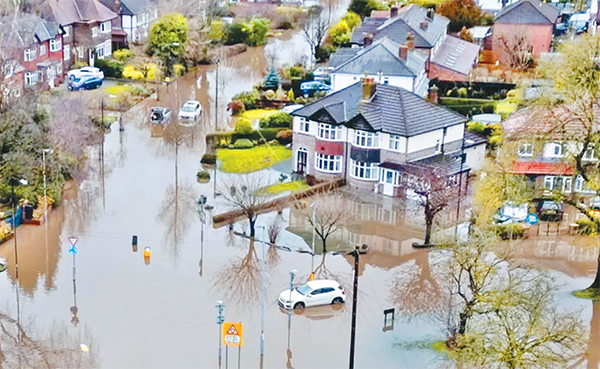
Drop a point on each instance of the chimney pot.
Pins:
(403, 52)
(368, 88)
(410, 41)
(433, 94)
(430, 14)
(394, 11)
(367, 39)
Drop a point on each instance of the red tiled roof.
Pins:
(380, 14)
(532, 167)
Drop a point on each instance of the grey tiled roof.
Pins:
(68, 12)
(383, 57)
(450, 164)
(391, 110)
(26, 30)
(457, 55)
(473, 139)
(128, 7)
(409, 19)
(527, 12)
(342, 55)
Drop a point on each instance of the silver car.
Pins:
(189, 113)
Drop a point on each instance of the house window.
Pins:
(581, 186)
(105, 27)
(589, 154)
(67, 52)
(554, 150)
(438, 147)
(526, 150)
(558, 183)
(43, 49)
(395, 142)
(329, 163)
(94, 31)
(329, 132)
(386, 81)
(100, 52)
(55, 45)
(31, 78)
(362, 170)
(80, 52)
(365, 139)
(304, 125)
(67, 31)
(390, 176)
(30, 54)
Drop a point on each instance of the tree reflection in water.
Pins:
(56, 348)
(239, 280)
(177, 211)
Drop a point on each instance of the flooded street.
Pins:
(162, 314)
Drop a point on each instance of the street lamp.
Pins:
(202, 215)
(357, 251)
(312, 259)
(220, 319)
(12, 184)
(262, 300)
(44, 152)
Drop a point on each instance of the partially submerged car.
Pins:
(160, 115)
(512, 213)
(313, 293)
(189, 113)
(550, 210)
(84, 78)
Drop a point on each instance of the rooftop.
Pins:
(527, 12)
(68, 12)
(457, 55)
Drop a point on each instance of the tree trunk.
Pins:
(429, 223)
(462, 326)
(324, 245)
(596, 283)
(252, 221)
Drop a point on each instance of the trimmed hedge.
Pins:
(110, 67)
(279, 120)
(243, 143)
(267, 133)
(468, 107)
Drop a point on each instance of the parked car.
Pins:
(159, 115)
(550, 210)
(313, 293)
(291, 108)
(311, 87)
(511, 213)
(84, 78)
(189, 113)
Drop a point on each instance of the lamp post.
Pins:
(357, 251)
(44, 152)
(220, 319)
(262, 300)
(202, 215)
(312, 258)
(292, 275)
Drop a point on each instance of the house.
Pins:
(133, 22)
(391, 63)
(87, 25)
(544, 154)
(447, 57)
(526, 26)
(482, 36)
(367, 131)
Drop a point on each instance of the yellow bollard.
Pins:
(147, 253)
(311, 277)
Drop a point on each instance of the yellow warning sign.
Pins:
(232, 334)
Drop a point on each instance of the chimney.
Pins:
(425, 24)
(410, 41)
(367, 39)
(433, 94)
(117, 6)
(403, 52)
(430, 13)
(368, 88)
(394, 11)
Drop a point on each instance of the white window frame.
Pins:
(395, 177)
(365, 139)
(59, 69)
(328, 163)
(590, 154)
(67, 52)
(328, 132)
(580, 185)
(43, 49)
(395, 142)
(105, 27)
(100, 51)
(525, 150)
(29, 54)
(550, 183)
(67, 31)
(438, 146)
(55, 45)
(80, 52)
(364, 171)
(556, 146)
(31, 78)
(304, 125)
(95, 31)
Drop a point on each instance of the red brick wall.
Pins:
(444, 74)
(329, 147)
(539, 38)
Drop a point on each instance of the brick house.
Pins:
(88, 26)
(446, 56)
(526, 26)
(366, 132)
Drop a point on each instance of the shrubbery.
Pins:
(202, 174)
(110, 67)
(122, 55)
(279, 120)
(505, 231)
(243, 127)
(243, 143)
(248, 98)
(210, 159)
(251, 33)
(285, 137)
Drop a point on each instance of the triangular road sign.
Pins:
(232, 330)
(73, 240)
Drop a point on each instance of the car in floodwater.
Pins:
(189, 113)
(322, 312)
(313, 293)
(85, 78)
(160, 115)
(550, 210)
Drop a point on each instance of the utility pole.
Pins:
(363, 250)
(262, 301)
(220, 319)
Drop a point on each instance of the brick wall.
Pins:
(539, 37)
(445, 74)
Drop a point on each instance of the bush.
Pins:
(217, 31)
(202, 174)
(178, 70)
(251, 33)
(324, 52)
(279, 120)
(468, 107)
(237, 107)
(79, 64)
(129, 71)
(122, 55)
(364, 7)
(268, 134)
(110, 67)
(243, 127)
(249, 98)
(284, 137)
(504, 231)
(210, 159)
(243, 143)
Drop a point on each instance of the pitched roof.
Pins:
(407, 21)
(26, 30)
(128, 7)
(527, 12)
(68, 12)
(392, 110)
(343, 54)
(555, 123)
(383, 57)
(457, 55)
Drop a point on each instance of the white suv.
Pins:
(189, 113)
(312, 293)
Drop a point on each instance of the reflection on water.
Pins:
(593, 349)
(177, 212)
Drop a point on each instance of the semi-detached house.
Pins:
(366, 132)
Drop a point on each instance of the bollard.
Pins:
(134, 243)
(147, 254)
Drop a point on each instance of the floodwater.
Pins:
(161, 314)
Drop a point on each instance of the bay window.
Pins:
(328, 163)
(329, 132)
(365, 139)
(363, 170)
(558, 183)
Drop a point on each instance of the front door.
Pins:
(388, 184)
(301, 161)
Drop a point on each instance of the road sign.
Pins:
(531, 219)
(232, 334)
(73, 240)
(73, 250)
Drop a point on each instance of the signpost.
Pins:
(73, 251)
(232, 336)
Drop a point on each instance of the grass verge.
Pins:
(252, 160)
(590, 293)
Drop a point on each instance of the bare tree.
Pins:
(241, 192)
(71, 131)
(518, 49)
(433, 188)
(315, 31)
(328, 213)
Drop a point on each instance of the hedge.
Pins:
(110, 67)
(468, 107)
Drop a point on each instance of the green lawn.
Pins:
(257, 114)
(251, 160)
(287, 186)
